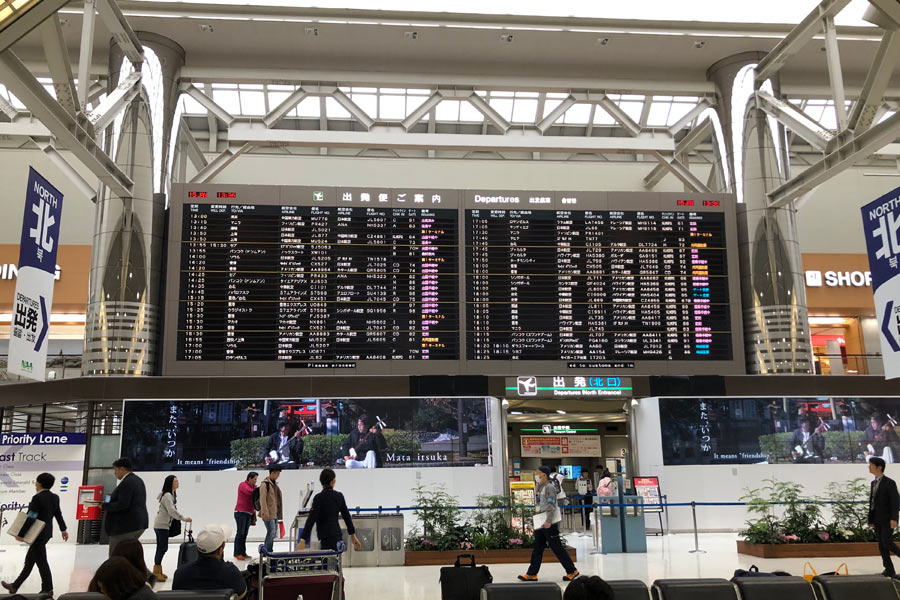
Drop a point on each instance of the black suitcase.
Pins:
(187, 551)
(527, 590)
(464, 581)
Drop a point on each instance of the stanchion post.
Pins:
(596, 531)
(584, 521)
(696, 549)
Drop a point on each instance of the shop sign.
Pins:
(558, 446)
(881, 226)
(560, 429)
(568, 386)
(838, 279)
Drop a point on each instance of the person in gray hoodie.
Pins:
(546, 530)
(163, 521)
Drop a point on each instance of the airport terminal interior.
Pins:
(617, 278)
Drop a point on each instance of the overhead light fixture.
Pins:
(506, 37)
(18, 17)
(206, 28)
(516, 412)
(312, 31)
(560, 412)
(603, 41)
(699, 44)
(411, 35)
(826, 320)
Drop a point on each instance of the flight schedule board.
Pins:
(586, 283)
(286, 280)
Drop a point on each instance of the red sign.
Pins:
(648, 489)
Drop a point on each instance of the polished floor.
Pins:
(667, 557)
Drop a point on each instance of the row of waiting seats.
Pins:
(825, 587)
(163, 595)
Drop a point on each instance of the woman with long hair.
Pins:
(162, 524)
(117, 579)
(244, 515)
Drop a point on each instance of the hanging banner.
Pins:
(24, 456)
(33, 298)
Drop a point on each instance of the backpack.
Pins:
(255, 497)
(557, 485)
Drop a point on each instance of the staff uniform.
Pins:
(326, 507)
(548, 536)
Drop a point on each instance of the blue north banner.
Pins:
(33, 298)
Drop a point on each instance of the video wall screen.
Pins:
(704, 431)
(273, 280)
(306, 433)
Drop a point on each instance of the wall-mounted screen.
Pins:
(301, 433)
(272, 280)
(700, 431)
(570, 471)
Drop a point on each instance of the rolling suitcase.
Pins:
(521, 591)
(187, 551)
(464, 581)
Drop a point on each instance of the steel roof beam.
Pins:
(218, 164)
(58, 62)
(489, 112)
(797, 39)
(795, 120)
(207, 102)
(242, 133)
(619, 115)
(417, 115)
(835, 76)
(841, 159)
(353, 108)
(192, 147)
(115, 102)
(47, 147)
(691, 140)
(690, 116)
(86, 53)
(682, 172)
(279, 112)
(876, 83)
(121, 30)
(554, 115)
(62, 125)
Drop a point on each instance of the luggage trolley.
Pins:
(307, 574)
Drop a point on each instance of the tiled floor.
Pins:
(666, 557)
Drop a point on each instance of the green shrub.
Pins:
(402, 442)
(322, 449)
(844, 445)
(776, 446)
(248, 452)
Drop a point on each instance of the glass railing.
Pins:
(59, 366)
(851, 364)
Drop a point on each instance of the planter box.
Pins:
(487, 557)
(837, 549)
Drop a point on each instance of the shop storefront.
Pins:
(69, 304)
(842, 314)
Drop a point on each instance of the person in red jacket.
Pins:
(244, 515)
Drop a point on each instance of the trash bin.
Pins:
(391, 552)
(381, 537)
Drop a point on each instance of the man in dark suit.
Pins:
(884, 507)
(283, 449)
(45, 507)
(126, 511)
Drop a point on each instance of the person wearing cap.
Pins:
(210, 571)
(546, 530)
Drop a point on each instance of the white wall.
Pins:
(718, 483)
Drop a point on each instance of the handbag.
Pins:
(280, 529)
(464, 580)
(754, 571)
(175, 528)
(809, 572)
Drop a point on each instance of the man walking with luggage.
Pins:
(884, 506)
(126, 511)
(45, 506)
(271, 505)
(546, 530)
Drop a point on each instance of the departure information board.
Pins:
(596, 285)
(263, 279)
(319, 283)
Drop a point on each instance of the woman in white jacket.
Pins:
(163, 521)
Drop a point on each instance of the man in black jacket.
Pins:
(364, 447)
(45, 507)
(884, 506)
(326, 507)
(126, 511)
(282, 449)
